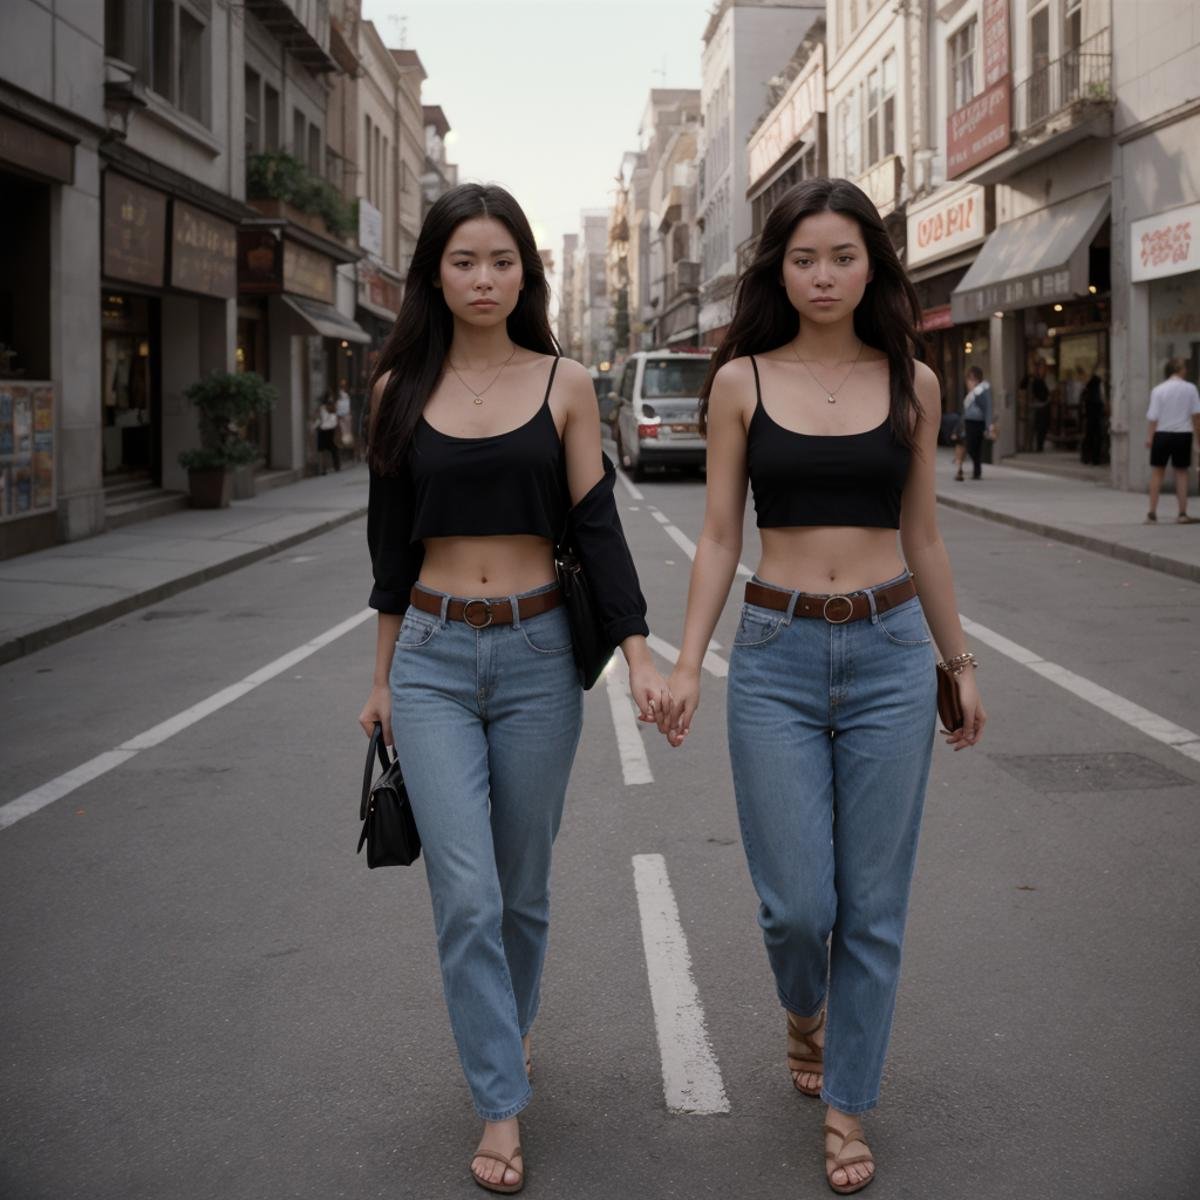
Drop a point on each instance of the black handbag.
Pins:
(591, 646)
(388, 829)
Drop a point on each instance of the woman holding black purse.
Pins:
(482, 442)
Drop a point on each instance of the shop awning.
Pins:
(323, 320)
(1036, 259)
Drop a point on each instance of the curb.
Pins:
(39, 639)
(1129, 554)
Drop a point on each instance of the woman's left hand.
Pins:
(649, 691)
(974, 718)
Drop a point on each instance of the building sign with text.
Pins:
(789, 120)
(952, 219)
(307, 273)
(204, 252)
(1167, 244)
(983, 126)
(135, 231)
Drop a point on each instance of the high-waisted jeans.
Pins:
(486, 723)
(830, 736)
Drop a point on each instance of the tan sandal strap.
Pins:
(494, 1157)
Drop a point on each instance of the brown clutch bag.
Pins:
(949, 705)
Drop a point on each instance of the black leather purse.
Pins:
(588, 641)
(388, 829)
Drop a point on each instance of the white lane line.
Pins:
(634, 493)
(684, 542)
(635, 766)
(691, 1078)
(1134, 715)
(714, 664)
(56, 789)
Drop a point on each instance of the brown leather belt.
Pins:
(480, 613)
(838, 609)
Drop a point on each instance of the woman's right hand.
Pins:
(684, 689)
(378, 708)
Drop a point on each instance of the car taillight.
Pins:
(647, 430)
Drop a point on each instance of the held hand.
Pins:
(974, 718)
(684, 687)
(649, 692)
(378, 708)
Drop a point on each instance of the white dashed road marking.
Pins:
(635, 766)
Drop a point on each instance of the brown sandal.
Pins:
(505, 1189)
(834, 1159)
(810, 1063)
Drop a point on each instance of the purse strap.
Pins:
(375, 749)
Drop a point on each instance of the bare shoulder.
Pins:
(928, 389)
(733, 385)
(573, 383)
(573, 374)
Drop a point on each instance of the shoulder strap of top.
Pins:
(757, 384)
(550, 381)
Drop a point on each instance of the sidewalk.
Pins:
(56, 593)
(1092, 516)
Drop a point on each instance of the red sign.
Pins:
(995, 41)
(980, 129)
(936, 318)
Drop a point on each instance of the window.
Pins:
(270, 124)
(298, 134)
(1039, 63)
(253, 113)
(314, 149)
(848, 133)
(367, 157)
(177, 60)
(879, 112)
(961, 48)
(673, 378)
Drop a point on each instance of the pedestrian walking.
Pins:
(1039, 403)
(1092, 449)
(345, 430)
(978, 423)
(326, 425)
(480, 440)
(814, 397)
(1173, 416)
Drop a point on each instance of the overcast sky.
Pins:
(544, 96)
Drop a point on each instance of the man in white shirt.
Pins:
(1174, 414)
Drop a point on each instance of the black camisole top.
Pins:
(507, 483)
(817, 479)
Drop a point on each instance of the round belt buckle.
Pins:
(487, 608)
(838, 620)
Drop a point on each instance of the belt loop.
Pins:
(445, 608)
(516, 614)
(870, 594)
(793, 600)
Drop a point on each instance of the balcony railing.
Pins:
(1082, 75)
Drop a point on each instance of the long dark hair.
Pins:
(415, 351)
(887, 317)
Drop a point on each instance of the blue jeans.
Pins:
(486, 723)
(830, 736)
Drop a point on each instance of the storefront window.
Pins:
(127, 385)
(1175, 324)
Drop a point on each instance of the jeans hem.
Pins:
(503, 1114)
(796, 1009)
(844, 1106)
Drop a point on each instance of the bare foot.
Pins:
(844, 1140)
(806, 1040)
(500, 1137)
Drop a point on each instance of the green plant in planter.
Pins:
(224, 402)
(276, 175)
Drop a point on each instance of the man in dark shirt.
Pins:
(1039, 403)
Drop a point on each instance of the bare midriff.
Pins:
(828, 558)
(500, 565)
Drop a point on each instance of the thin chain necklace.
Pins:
(830, 396)
(479, 395)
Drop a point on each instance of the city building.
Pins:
(590, 315)
(746, 42)
(568, 338)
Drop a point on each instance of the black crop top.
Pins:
(508, 483)
(818, 479)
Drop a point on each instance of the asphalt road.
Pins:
(205, 995)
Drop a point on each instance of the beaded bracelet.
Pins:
(957, 664)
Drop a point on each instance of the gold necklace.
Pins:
(479, 395)
(830, 396)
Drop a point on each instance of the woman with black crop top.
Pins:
(481, 440)
(815, 399)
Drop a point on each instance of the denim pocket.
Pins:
(548, 633)
(757, 625)
(904, 625)
(415, 630)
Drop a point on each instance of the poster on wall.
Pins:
(26, 448)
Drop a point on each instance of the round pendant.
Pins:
(829, 398)
(479, 400)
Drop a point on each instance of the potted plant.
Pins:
(224, 402)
